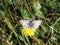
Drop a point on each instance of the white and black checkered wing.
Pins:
(24, 23)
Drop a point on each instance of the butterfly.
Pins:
(29, 24)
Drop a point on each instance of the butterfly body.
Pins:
(30, 24)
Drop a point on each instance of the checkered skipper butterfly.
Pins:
(29, 24)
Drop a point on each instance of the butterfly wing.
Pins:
(36, 24)
(24, 23)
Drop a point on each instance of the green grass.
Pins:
(11, 11)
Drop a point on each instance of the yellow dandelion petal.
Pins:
(28, 32)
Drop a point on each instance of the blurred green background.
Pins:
(11, 11)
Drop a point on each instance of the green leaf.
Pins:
(3, 13)
(39, 14)
(25, 14)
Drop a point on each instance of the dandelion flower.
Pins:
(28, 32)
